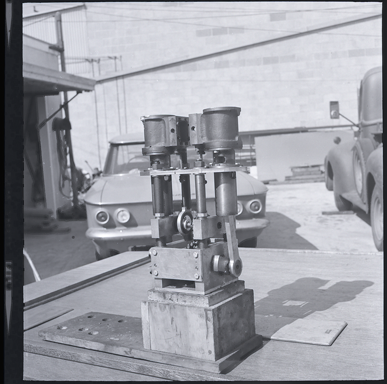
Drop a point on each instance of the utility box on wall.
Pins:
(277, 154)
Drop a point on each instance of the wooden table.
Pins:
(312, 285)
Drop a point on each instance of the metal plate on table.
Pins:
(99, 331)
(122, 335)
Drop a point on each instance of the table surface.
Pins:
(321, 285)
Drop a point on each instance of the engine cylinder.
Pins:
(220, 127)
(225, 193)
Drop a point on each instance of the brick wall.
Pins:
(279, 85)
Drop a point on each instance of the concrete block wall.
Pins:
(284, 84)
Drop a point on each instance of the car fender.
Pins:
(339, 159)
(246, 181)
(374, 172)
(367, 146)
(93, 195)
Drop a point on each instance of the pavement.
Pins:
(61, 250)
(302, 216)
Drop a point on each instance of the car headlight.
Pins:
(123, 215)
(240, 208)
(102, 217)
(255, 206)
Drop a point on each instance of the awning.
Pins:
(45, 81)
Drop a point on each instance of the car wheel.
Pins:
(110, 253)
(249, 243)
(359, 170)
(328, 178)
(99, 257)
(341, 203)
(376, 214)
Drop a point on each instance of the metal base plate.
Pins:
(122, 335)
(197, 170)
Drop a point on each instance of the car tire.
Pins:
(249, 243)
(341, 203)
(110, 254)
(99, 257)
(327, 178)
(376, 215)
(359, 170)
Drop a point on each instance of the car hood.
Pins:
(248, 185)
(127, 189)
(120, 189)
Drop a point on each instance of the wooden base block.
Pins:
(122, 335)
(207, 332)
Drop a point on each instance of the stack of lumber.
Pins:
(306, 173)
(39, 219)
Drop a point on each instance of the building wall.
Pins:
(56, 194)
(41, 144)
(282, 84)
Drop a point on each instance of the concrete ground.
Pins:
(59, 251)
(296, 219)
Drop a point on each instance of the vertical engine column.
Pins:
(198, 308)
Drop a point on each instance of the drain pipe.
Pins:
(59, 47)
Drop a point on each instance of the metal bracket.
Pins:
(210, 226)
(235, 264)
(164, 226)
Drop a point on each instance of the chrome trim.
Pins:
(145, 231)
(241, 206)
(119, 210)
(253, 201)
(102, 222)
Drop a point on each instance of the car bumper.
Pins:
(122, 239)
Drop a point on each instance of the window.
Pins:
(126, 158)
(371, 98)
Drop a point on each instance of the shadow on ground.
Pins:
(301, 298)
(281, 234)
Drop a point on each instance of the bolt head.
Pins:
(196, 276)
(155, 273)
(154, 252)
(196, 255)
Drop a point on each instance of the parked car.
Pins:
(119, 203)
(354, 169)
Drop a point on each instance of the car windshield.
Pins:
(125, 158)
(128, 158)
(371, 98)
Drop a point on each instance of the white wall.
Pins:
(279, 85)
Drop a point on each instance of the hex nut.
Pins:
(155, 273)
(154, 252)
(195, 254)
(196, 276)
